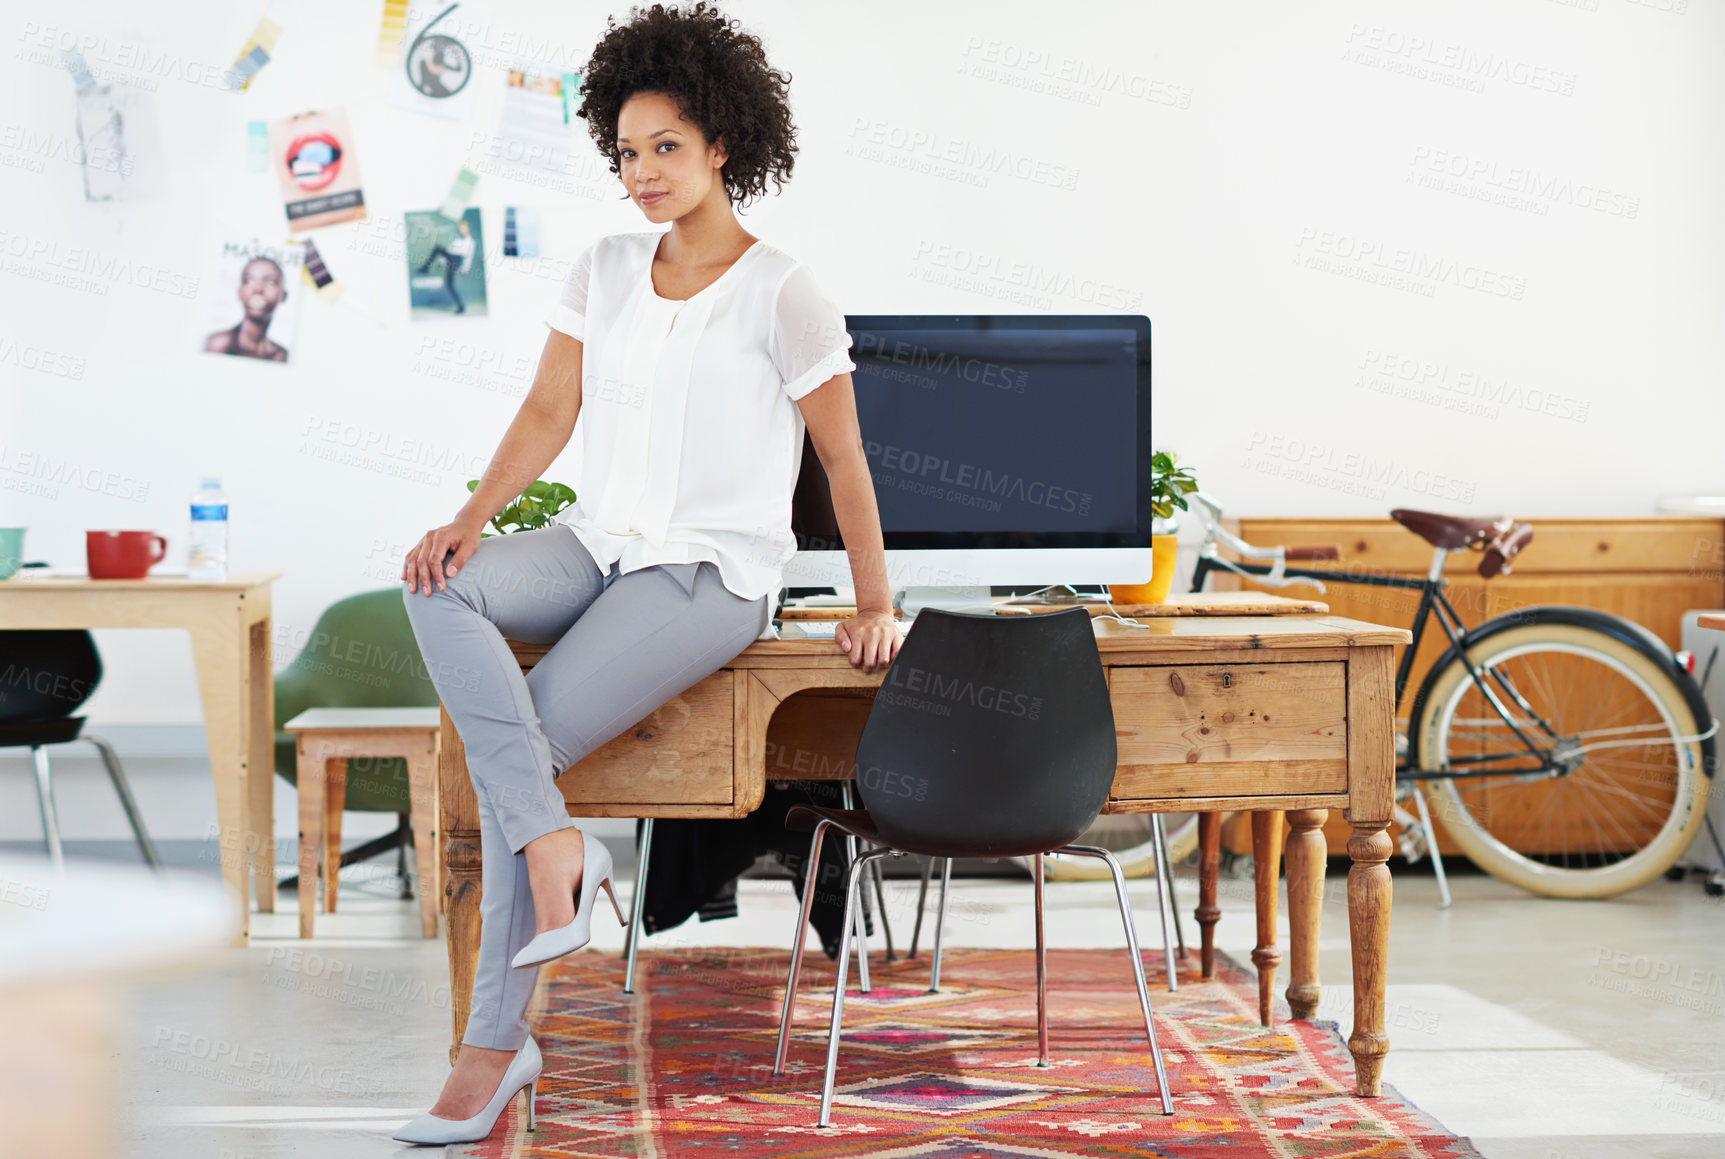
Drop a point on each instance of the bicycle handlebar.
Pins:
(1327, 552)
(1210, 515)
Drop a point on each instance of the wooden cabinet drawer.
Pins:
(1210, 730)
(1673, 543)
(681, 753)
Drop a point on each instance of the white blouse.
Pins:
(691, 439)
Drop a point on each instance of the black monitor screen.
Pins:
(997, 432)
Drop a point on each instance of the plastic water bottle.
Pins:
(208, 554)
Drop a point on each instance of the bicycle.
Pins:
(1505, 739)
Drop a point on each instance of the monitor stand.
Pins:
(910, 601)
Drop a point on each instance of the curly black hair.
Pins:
(718, 76)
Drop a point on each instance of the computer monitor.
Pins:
(1005, 449)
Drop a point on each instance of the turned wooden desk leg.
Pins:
(1305, 861)
(1369, 934)
(1209, 869)
(1371, 800)
(1266, 861)
(459, 824)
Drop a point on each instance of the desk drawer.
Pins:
(680, 754)
(1213, 730)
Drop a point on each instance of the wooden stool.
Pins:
(325, 739)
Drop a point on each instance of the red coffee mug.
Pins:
(123, 554)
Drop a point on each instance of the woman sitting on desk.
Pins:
(695, 357)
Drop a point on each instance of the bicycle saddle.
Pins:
(1500, 539)
(1449, 532)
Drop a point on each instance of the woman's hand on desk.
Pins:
(869, 639)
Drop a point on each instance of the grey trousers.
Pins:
(622, 645)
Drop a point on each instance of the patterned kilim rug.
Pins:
(684, 1066)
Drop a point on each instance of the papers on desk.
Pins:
(822, 629)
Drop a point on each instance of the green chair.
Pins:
(361, 654)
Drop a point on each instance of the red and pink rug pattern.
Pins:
(683, 1068)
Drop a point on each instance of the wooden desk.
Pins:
(230, 627)
(1262, 713)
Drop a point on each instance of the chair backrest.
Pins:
(46, 673)
(990, 736)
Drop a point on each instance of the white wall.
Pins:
(1241, 142)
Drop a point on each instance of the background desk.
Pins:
(230, 626)
(1262, 713)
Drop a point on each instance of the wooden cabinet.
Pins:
(1649, 569)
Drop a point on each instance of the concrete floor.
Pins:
(1540, 1029)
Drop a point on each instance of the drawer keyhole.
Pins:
(1227, 680)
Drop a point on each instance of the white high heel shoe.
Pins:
(595, 872)
(523, 1074)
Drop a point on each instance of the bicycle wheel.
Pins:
(1127, 836)
(1635, 790)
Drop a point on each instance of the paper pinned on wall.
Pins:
(391, 33)
(457, 286)
(313, 157)
(460, 193)
(261, 278)
(520, 232)
(533, 139)
(116, 131)
(317, 274)
(441, 55)
(257, 147)
(254, 55)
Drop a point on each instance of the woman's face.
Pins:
(261, 289)
(666, 165)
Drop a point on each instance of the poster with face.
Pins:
(445, 265)
(252, 300)
(314, 160)
(441, 52)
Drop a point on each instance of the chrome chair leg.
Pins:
(921, 904)
(1164, 901)
(848, 799)
(50, 815)
(853, 895)
(111, 761)
(1162, 859)
(879, 876)
(940, 924)
(811, 874)
(1137, 963)
(635, 900)
(1431, 847)
(1041, 972)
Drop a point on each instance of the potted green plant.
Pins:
(536, 507)
(1169, 486)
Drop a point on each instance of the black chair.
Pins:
(45, 674)
(991, 736)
